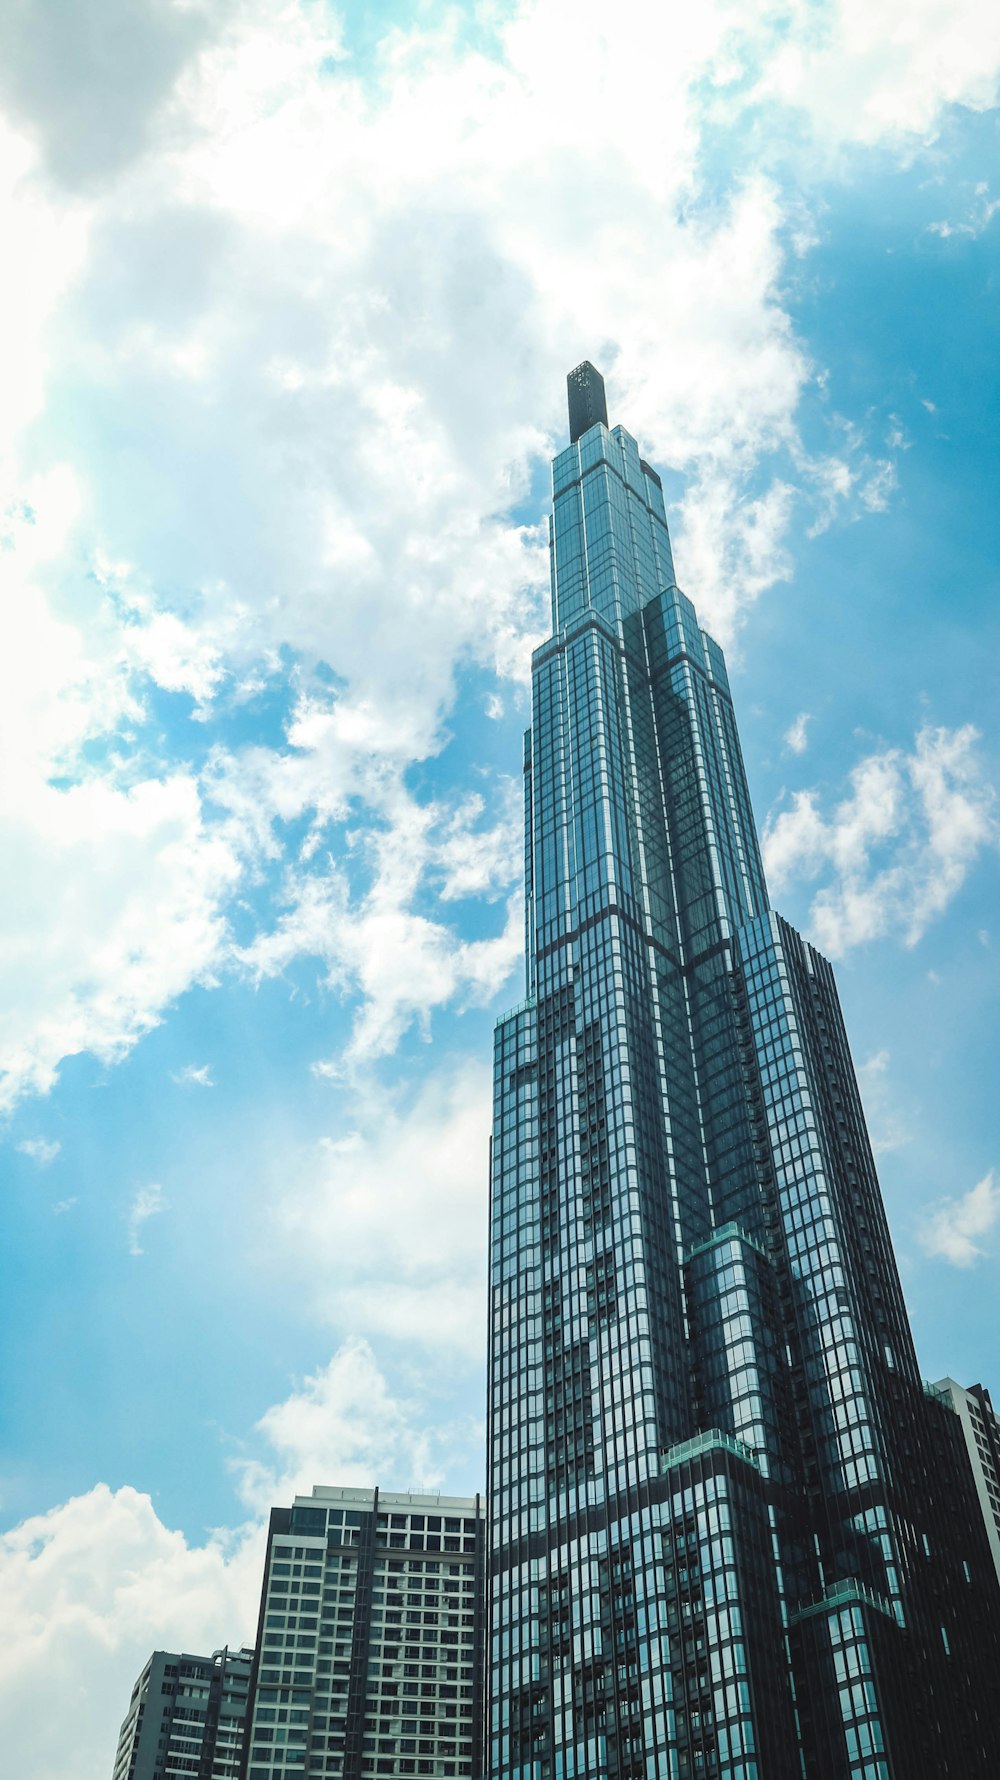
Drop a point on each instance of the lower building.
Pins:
(186, 1717)
(981, 1428)
(370, 1645)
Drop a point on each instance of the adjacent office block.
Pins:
(732, 1535)
(981, 1431)
(371, 1638)
(187, 1716)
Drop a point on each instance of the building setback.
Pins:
(981, 1429)
(732, 1533)
(186, 1717)
(371, 1638)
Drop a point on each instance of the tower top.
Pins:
(587, 401)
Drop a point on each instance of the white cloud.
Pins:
(48, 246)
(116, 910)
(447, 1315)
(954, 1228)
(91, 89)
(148, 1203)
(882, 72)
(795, 735)
(982, 210)
(877, 484)
(898, 847)
(348, 292)
(63, 1205)
(729, 548)
(345, 1425)
(848, 481)
(387, 1224)
(193, 1075)
(40, 1150)
(897, 438)
(477, 248)
(343, 308)
(89, 1589)
(377, 946)
(112, 905)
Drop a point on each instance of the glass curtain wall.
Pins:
(732, 1534)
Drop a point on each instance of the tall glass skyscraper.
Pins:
(732, 1534)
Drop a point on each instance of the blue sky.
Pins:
(284, 367)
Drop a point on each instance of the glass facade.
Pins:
(370, 1647)
(732, 1533)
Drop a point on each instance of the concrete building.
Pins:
(981, 1428)
(370, 1644)
(186, 1717)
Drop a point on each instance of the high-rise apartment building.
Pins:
(732, 1534)
(981, 1430)
(186, 1717)
(371, 1639)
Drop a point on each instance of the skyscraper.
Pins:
(732, 1534)
(187, 1716)
(370, 1647)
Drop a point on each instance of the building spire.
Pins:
(587, 401)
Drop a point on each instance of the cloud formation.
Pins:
(897, 849)
(796, 738)
(89, 88)
(193, 1075)
(981, 211)
(113, 903)
(386, 1225)
(344, 1424)
(395, 958)
(40, 1149)
(281, 367)
(95, 1584)
(882, 73)
(148, 1203)
(89, 1589)
(342, 293)
(954, 1230)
